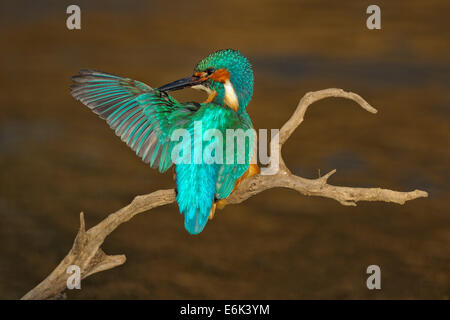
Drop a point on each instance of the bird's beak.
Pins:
(182, 83)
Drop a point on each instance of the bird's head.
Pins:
(227, 77)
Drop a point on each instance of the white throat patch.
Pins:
(231, 98)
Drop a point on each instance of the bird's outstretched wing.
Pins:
(140, 115)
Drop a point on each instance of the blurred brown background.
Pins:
(57, 158)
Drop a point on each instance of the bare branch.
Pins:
(87, 254)
(311, 97)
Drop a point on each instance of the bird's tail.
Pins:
(195, 220)
(196, 187)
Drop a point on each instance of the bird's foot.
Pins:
(220, 204)
(174, 174)
(253, 169)
(212, 211)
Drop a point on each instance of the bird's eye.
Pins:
(210, 71)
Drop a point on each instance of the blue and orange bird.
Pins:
(145, 119)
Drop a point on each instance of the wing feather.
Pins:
(141, 116)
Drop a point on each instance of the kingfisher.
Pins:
(146, 118)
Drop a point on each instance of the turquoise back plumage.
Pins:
(199, 184)
(145, 119)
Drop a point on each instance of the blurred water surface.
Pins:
(57, 158)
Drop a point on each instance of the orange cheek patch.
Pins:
(220, 75)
